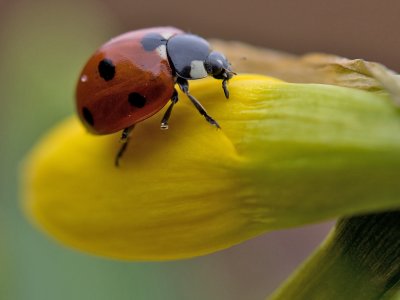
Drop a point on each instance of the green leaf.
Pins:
(360, 260)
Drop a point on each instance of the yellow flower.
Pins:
(288, 154)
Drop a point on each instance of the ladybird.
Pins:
(133, 76)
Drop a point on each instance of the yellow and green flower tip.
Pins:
(287, 155)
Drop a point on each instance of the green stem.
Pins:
(360, 259)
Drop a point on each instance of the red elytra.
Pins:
(103, 105)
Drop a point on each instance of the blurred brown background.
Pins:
(43, 45)
(354, 28)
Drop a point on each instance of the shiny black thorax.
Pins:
(188, 51)
(184, 51)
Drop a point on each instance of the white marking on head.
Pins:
(167, 35)
(197, 69)
(162, 51)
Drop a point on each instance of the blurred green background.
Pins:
(45, 43)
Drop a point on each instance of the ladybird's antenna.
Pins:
(229, 73)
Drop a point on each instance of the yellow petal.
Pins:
(287, 155)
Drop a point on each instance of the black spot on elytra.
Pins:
(106, 69)
(152, 40)
(87, 115)
(136, 99)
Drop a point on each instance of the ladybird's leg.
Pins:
(184, 86)
(225, 87)
(124, 141)
(165, 119)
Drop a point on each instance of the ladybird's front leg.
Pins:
(125, 136)
(184, 86)
(225, 87)
(165, 119)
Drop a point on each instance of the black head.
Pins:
(218, 66)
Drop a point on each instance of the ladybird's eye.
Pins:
(216, 64)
